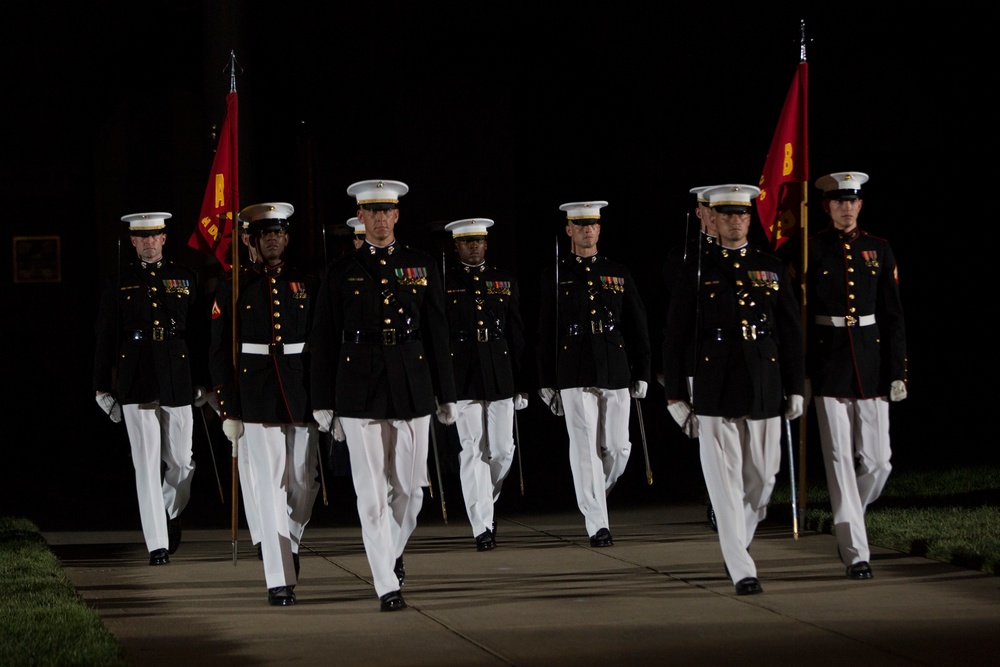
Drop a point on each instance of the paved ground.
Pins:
(543, 597)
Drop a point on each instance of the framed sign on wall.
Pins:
(37, 259)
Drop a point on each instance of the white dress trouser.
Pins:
(740, 459)
(250, 509)
(854, 435)
(389, 469)
(486, 433)
(282, 461)
(159, 435)
(599, 447)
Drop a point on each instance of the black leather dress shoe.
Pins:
(484, 541)
(748, 586)
(860, 570)
(281, 596)
(392, 601)
(601, 539)
(400, 570)
(173, 534)
(158, 557)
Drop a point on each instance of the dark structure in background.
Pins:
(112, 107)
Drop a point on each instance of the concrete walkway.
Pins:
(543, 597)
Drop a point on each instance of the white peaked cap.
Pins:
(469, 227)
(582, 210)
(147, 224)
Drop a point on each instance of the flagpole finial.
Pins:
(802, 41)
(232, 70)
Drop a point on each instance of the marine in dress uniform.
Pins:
(487, 338)
(593, 356)
(358, 228)
(143, 316)
(380, 368)
(702, 243)
(856, 360)
(265, 399)
(737, 314)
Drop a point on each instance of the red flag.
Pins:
(787, 165)
(214, 232)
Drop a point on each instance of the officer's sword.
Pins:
(645, 448)
(211, 450)
(791, 474)
(517, 446)
(437, 463)
(430, 483)
(687, 221)
(319, 452)
(322, 477)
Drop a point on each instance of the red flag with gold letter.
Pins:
(787, 165)
(214, 232)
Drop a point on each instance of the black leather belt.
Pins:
(744, 333)
(383, 337)
(155, 333)
(478, 335)
(594, 327)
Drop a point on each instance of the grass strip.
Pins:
(952, 515)
(43, 620)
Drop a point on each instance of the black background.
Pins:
(499, 110)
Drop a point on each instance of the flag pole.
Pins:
(804, 246)
(787, 163)
(234, 199)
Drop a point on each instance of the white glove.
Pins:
(897, 391)
(687, 420)
(639, 389)
(200, 396)
(233, 428)
(520, 401)
(447, 413)
(338, 430)
(794, 407)
(324, 418)
(552, 399)
(111, 407)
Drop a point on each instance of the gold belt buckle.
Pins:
(482, 335)
(158, 333)
(850, 320)
(596, 327)
(388, 336)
